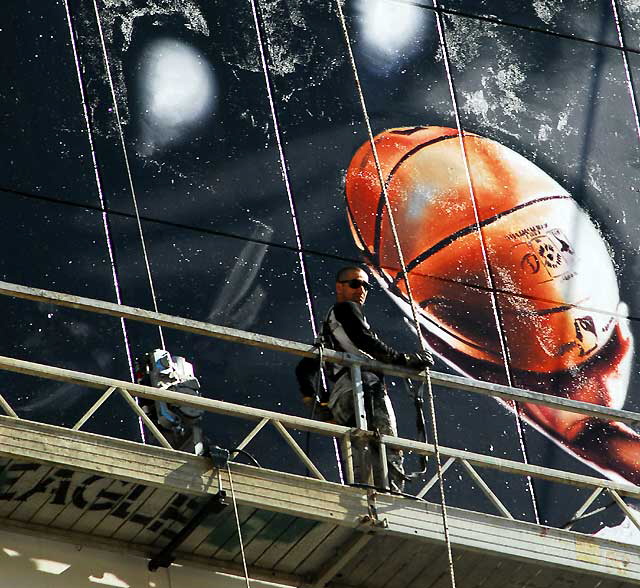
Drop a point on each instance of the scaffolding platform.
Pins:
(98, 491)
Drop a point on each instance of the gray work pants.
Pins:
(380, 418)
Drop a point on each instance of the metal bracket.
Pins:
(166, 557)
(374, 522)
(372, 518)
(218, 455)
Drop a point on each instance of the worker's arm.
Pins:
(351, 317)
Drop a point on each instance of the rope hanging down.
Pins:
(283, 161)
(106, 225)
(263, 51)
(235, 510)
(398, 248)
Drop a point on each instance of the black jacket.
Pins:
(345, 329)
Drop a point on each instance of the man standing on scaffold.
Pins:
(346, 329)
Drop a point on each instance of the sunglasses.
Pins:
(355, 284)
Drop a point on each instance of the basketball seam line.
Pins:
(379, 215)
(393, 288)
(469, 229)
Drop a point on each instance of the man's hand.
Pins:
(418, 361)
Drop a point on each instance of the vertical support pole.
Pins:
(358, 398)
(363, 472)
(384, 467)
(347, 455)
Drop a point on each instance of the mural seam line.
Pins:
(497, 21)
(275, 244)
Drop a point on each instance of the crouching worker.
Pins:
(346, 330)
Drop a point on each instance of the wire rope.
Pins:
(398, 248)
(99, 187)
(483, 247)
(116, 111)
(264, 52)
(235, 512)
(627, 68)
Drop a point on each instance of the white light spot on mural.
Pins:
(544, 132)
(390, 32)
(563, 119)
(178, 91)
(119, 19)
(416, 201)
(11, 552)
(594, 174)
(109, 579)
(48, 566)
(546, 10)
(476, 103)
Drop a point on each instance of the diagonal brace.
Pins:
(145, 418)
(96, 405)
(250, 437)
(632, 514)
(433, 481)
(298, 450)
(7, 408)
(580, 512)
(477, 478)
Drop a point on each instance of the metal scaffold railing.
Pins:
(283, 423)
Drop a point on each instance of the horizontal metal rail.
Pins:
(281, 421)
(306, 350)
(304, 424)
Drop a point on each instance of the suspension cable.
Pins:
(116, 111)
(483, 247)
(627, 68)
(99, 187)
(235, 511)
(264, 52)
(396, 239)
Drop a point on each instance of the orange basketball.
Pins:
(494, 242)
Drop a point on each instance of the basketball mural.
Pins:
(182, 160)
(488, 236)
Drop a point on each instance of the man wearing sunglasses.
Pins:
(346, 329)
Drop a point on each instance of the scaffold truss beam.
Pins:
(306, 350)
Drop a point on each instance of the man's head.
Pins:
(352, 284)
